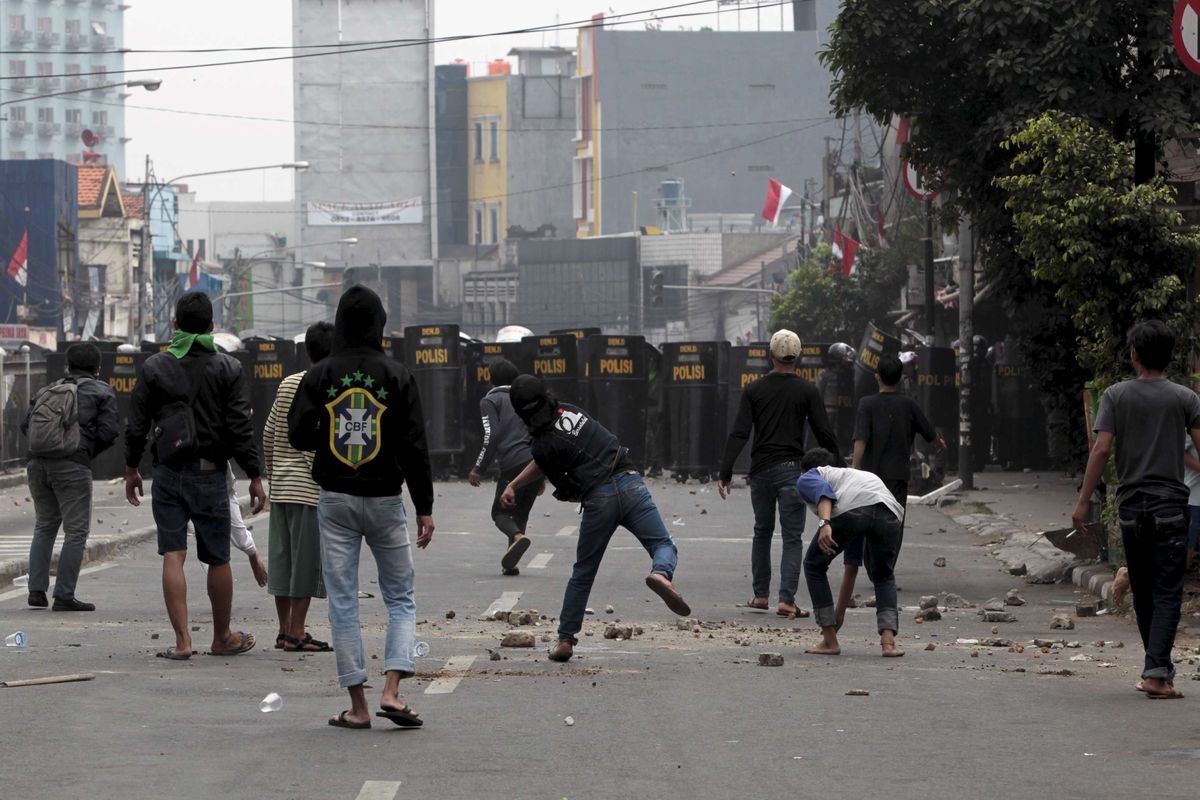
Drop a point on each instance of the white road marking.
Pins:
(569, 530)
(378, 790)
(15, 593)
(506, 602)
(540, 560)
(449, 684)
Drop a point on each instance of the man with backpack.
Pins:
(193, 401)
(68, 424)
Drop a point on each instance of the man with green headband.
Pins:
(193, 403)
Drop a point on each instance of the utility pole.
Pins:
(966, 349)
(147, 253)
(930, 327)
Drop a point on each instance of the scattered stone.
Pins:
(609, 610)
(993, 604)
(518, 639)
(154, 636)
(1013, 599)
(1062, 622)
(931, 646)
(929, 615)
(966, 641)
(1082, 657)
(1074, 645)
(855, 601)
(995, 629)
(940, 561)
(998, 616)
(547, 637)
(684, 624)
(1062, 673)
(974, 654)
(287, 669)
(858, 693)
(997, 643)
(195, 628)
(569, 721)
(589, 611)
(493, 655)
(1018, 570)
(929, 601)
(618, 632)
(1046, 642)
(450, 614)
(951, 600)
(770, 659)
(1087, 609)
(868, 603)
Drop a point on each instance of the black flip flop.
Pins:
(752, 607)
(171, 655)
(341, 722)
(279, 641)
(247, 645)
(305, 645)
(512, 556)
(404, 717)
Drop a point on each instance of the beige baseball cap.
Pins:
(785, 345)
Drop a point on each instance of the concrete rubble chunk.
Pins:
(1087, 609)
(1061, 622)
(931, 646)
(997, 643)
(993, 604)
(609, 610)
(929, 614)
(493, 655)
(770, 659)
(1013, 598)
(685, 624)
(450, 614)
(618, 632)
(858, 693)
(518, 639)
(929, 601)
(940, 561)
(998, 616)
(952, 600)
(1018, 570)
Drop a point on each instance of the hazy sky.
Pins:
(181, 143)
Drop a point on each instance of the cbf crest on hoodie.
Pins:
(359, 412)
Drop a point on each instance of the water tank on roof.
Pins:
(671, 191)
(499, 66)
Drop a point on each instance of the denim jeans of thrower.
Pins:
(622, 500)
(771, 488)
(883, 534)
(346, 522)
(1154, 532)
(62, 496)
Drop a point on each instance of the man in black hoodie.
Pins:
(360, 412)
(586, 464)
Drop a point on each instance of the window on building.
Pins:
(17, 113)
(494, 225)
(75, 115)
(583, 109)
(200, 252)
(100, 71)
(16, 22)
(190, 245)
(45, 115)
(479, 141)
(45, 25)
(16, 68)
(494, 140)
(72, 27)
(99, 117)
(73, 69)
(45, 68)
(478, 237)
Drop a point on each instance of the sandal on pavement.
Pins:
(753, 606)
(247, 644)
(512, 556)
(340, 721)
(1170, 694)
(279, 641)
(305, 645)
(404, 716)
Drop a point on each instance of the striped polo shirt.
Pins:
(288, 470)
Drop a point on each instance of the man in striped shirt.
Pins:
(294, 575)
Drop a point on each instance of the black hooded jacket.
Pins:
(360, 412)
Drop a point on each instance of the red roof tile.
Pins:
(91, 184)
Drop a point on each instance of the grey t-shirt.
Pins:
(1147, 418)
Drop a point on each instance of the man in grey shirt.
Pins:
(1145, 418)
(506, 440)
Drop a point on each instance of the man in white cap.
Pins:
(777, 406)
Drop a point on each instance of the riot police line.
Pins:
(673, 404)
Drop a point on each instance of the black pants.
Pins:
(1154, 531)
(512, 521)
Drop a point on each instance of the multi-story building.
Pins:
(66, 46)
(673, 123)
(110, 239)
(520, 140)
(364, 122)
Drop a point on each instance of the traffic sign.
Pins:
(1186, 30)
(914, 177)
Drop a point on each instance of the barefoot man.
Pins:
(850, 504)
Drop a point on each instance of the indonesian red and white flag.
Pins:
(194, 272)
(881, 229)
(777, 197)
(18, 268)
(845, 249)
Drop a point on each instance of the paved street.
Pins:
(671, 713)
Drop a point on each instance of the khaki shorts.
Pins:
(294, 552)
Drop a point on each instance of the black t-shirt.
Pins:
(777, 405)
(887, 422)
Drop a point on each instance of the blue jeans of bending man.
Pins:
(771, 488)
(346, 522)
(883, 534)
(1154, 532)
(622, 500)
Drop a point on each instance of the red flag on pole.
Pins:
(881, 229)
(194, 272)
(846, 249)
(777, 196)
(18, 268)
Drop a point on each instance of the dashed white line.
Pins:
(569, 530)
(540, 560)
(378, 790)
(448, 684)
(505, 602)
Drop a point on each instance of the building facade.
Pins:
(66, 46)
(365, 129)
(110, 239)
(672, 123)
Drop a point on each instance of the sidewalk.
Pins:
(1010, 509)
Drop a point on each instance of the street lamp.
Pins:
(149, 84)
(299, 166)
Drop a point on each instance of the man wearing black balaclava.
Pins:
(586, 464)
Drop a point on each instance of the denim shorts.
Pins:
(201, 496)
(1193, 536)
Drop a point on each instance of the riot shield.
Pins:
(746, 365)
(271, 360)
(120, 371)
(937, 389)
(875, 343)
(691, 408)
(555, 360)
(617, 389)
(433, 356)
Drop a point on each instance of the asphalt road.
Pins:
(669, 714)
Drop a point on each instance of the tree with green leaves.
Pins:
(970, 73)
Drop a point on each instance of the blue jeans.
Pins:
(345, 521)
(883, 532)
(621, 500)
(771, 487)
(62, 495)
(1154, 532)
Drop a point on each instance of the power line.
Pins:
(619, 20)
